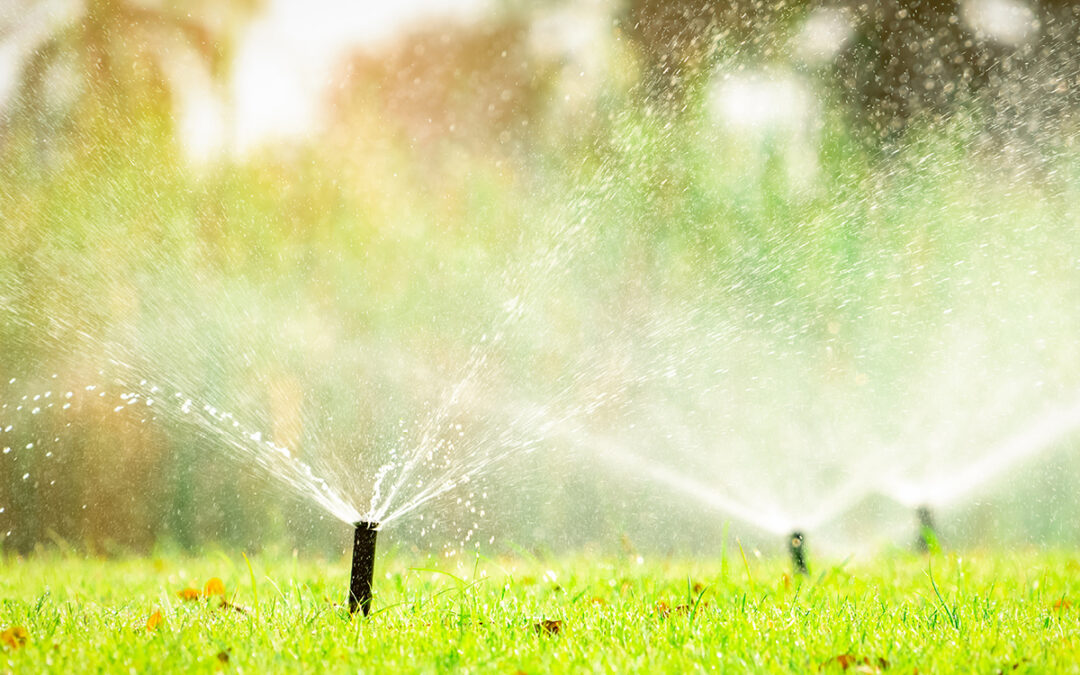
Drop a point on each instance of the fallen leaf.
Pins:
(872, 667)
(857, 664)
(14, 637)
(698, 587)
(214, 587)
(548, 626)
(223, 656)
(662, 608)
(154, 621)
(225, 604)
(189, 594)
(843, 661)
(597, 600)
(1062, 605)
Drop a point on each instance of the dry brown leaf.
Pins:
(225, 604)
(154, 621)
(857, 664)
(548, 627)
(1015, 666)
(189, 594)
(662, 608)
(14, 637)
(1062, 605)
(698, 587)
(842, 661)
(214, 587)
(223, 656)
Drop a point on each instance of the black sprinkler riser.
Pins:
(797, 548)
(927, 529)
(363, 567)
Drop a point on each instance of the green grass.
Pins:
(980, 613)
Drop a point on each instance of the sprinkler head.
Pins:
(927, 538)
(363, 567)
(797, 548)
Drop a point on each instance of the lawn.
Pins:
(989, 613)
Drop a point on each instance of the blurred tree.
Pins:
(905, 57)
(88, 163)
(912, 58)
(476, 85)
(678, 41)
(101, 78)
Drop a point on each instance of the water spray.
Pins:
(927, 538)
(797, 548)
(363, 566)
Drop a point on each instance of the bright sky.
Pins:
(289, 55)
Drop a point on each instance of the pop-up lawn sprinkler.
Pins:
(363, 567)
(927, 539)
(797, 548)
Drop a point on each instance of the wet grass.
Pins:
(983, 613)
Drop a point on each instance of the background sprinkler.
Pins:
(927, 538)
(363, 566)
(798, 553)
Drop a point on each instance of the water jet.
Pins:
(797, 548)
(927, 539)
(363, 566)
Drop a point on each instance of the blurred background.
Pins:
(717, 263)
